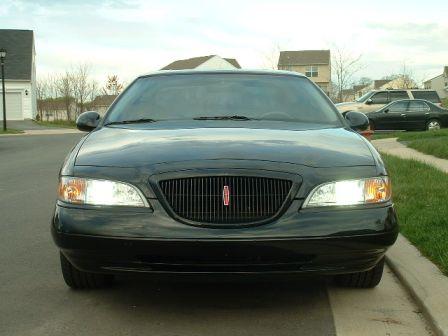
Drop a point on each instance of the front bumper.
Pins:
(325, 242)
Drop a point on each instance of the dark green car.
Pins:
(240, 173)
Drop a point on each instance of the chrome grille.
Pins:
(202, 199)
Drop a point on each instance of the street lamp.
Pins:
(2, 63)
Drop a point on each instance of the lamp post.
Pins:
(2, 63)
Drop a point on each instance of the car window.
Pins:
(431, 96)
(400, 106)
(398, 95)
(418, 106)
(379, 98)
(364, 97)
(257, 96)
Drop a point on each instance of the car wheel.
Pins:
(433, 125)
(367, 279)
(77, 279)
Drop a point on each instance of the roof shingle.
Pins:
(304, 57)
(19, 45)
(192, 63)
(379, 83)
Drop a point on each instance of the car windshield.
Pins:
(364, 97)
(239, 97)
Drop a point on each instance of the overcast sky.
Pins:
(128, 38)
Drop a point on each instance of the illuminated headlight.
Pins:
(350, 192)
(99, 192)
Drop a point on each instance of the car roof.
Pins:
(378, 90)
(411, 100)
(233, 71)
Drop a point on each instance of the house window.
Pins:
(312, 71)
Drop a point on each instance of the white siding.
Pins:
(33, 95)
(438, 84)
(216, 62)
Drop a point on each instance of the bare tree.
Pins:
(407, 77)
(113, 86)
(364, 81)
(65, 88)
(271, 58)
(82, 86)
(404, 79)
(41, 94)
(344, 66)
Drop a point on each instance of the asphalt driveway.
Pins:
(35, 301)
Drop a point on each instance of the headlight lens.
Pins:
(99, 192)
(350, 192)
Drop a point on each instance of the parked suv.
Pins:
(376, 99)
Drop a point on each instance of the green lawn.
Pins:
(433, 146)
(58, 123)
(10, 131)
(420, 195)
(429, 142)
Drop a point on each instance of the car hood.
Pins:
(125, 147)
(340, 106)
(346, 104)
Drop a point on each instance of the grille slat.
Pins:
(200, 199)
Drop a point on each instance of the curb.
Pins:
(423, 280)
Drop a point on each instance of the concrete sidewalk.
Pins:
(52, 131)
(29, 127)
(393, 147)
(422, 278)
(26, 125)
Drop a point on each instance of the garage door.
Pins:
(13, 106)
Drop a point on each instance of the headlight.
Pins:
(99, 192)
(350, 192)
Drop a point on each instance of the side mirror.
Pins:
(88, 121)
(369, 101)
(386, 110)
(357, 120)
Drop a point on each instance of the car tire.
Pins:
(367, 279)
(77, 279)
(433, 124)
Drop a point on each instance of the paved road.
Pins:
(35, 301)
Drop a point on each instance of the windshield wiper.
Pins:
(132, 121)
(234, 117)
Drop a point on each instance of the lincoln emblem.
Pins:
(226, 195)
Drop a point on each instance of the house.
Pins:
(378, 84)
(401, 82)
(51, 109)
(20, 74)
(204, 62)
(439, 84)
(315, 64)
(101, 103)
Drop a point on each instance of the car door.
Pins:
(392, 116)
(417, 114)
